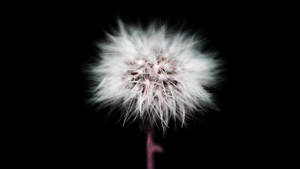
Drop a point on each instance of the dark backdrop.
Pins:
(71, 133)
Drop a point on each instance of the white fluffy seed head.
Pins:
(155, 74)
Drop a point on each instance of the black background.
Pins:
(65, 131)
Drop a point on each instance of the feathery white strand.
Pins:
(155, 74)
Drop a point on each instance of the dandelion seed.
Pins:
(157, 75)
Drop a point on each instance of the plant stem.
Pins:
(151, 148)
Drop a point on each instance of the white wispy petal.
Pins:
(155, 74)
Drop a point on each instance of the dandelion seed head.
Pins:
(155, 74)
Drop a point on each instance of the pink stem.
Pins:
(151, 148)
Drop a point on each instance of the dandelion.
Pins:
(155, 74)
